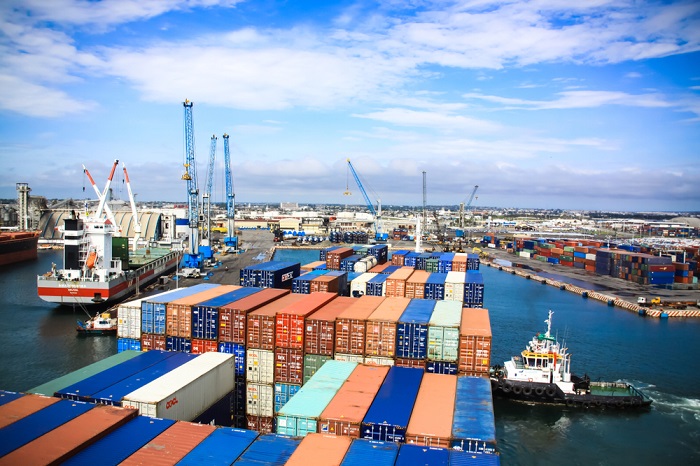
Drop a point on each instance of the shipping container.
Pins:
(369, 452)
(474, 289)
(473, 426)
(289, 365)
(319, 335)
(268, 449)
(260, 400)
(410, 455)
(430, 424)
(399, 257)
(22, 406)
(187, 391)
(172, 445)
(128, 344)
(365, 264)
(204, 346)
(441, 367)
(411, 363)
(315, 446)
(443, 331)
(85, 388)
(69, 438)
(344, 279)
(178, 320)
(475, 342)
(311, 266)
(378, 361)
(415, 284)
(153, 341)
(53, 386)
(323, 253)
(396, 282)
(347, 409)
(412, 330)
(358, 287)
(283, 393)
(260, 424)
(356, 358)
(379, 268)
(178, 344)
(272, 274)
(6, 396)
(350, 325)
(121, 443)
(153, 308)
(302, 283)
(380, 338)
(289, 321)
(221, 447)
(113, 394)
(239, 355)
(327, 283)
(260, 332)
(463, 458)
(300, 415)
(435, 286)
(312, 363)
(377, 286)
(388, 416)
(233, 317)
(260, 366)
(205, 315)
(335, 256)
(129, 316)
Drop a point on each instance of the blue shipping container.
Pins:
(364, 452)
(269, 449)
(181, 344)
(153, 309)
(6, 397)
(221, 447)
(463, 458)
(205, 316)
(418, 454)
(375, 285)
(412, 329)
(283, 393)
(441, 367)
(435, 286)
(302, 283)
(128, 344)
(388, 415)
(238, 352)
(473, 424)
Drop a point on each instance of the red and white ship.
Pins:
(98, 265)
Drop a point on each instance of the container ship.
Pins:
(18, 246)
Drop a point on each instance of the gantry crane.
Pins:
(379, 235)
(191, 259)
(463, 208)
(231, 240)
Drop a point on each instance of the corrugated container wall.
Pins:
(412, 330)
(314, 446)
(289, 321)
(153, 309)
(205, 315)
(443, 331)
(351, 325)
(261, 322)
(369, 452)
(269, 449)
(475, 342)
(396, 282)
(178, 321)
(129, 316)
(473, 427)
(380, 340)
(221, 447)
(172, 445)
(23, 406)
(319, 335)
(233, 317)
(411, 455)
(431, 420)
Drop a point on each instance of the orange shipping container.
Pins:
(325, 284)
(380, 267)
(319, 335)
(350, 325)
(334, 257)
(312, 265)
(459, 262)
(407, 362)
(474, 342)
(171, 445)
(430, 424)
(328, 450)
(260, 332)
(23, 407)
(68, 439)
(233, 317)
(178, 318)
(289, 322)
(415, 284)
(344, 414)
(396, 282)
(380, 337)
(204, 346)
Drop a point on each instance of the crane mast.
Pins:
(379, 235)
(102, 196)
(463, 207)
(192, 259)
(206, 197)
(134, 212)
(231, 240)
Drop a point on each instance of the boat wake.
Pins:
(674, 404)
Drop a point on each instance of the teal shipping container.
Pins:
(443, 331)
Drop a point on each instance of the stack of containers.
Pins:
(327, 283)
(475, 342)
(347, 264)
(474, 289)
(398, 257)
(445, 262)
(223, 446)
(233, 318)
(323, 253)
(412, 334)
(415, 284)
(380, 252)
(172, 445)
(260, 363)
(290, 330)
(431, 419)
(301, 413)
(344, 279)
(315, 446)
(380, 338)
(335, 256)
(178, 320)
(272, 274)
(344, 414)
(396, 282)
(473, 427)
(365, 264)
(350, 326)
(189, 392)
(443, 338)
(409, 260)
(154, 311)
(363, 452)
(415, 454)
(379, 268)
(376, 286)
(358, 287)
(435, 286)
(302, 283)
(388, 416)
(454, 286)
(129, 323)
(459, 262)
(269, 449)
(421, 260)
(319, 338)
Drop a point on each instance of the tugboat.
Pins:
(102, 324)
(542, 374)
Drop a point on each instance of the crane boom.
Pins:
(230, 240)
(379, 235)
(102, 196)
(192, 259)
(206, 204)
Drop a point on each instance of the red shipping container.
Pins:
(430, 424)
(171, 445)
(233, 317)
(263, 425)
(289, 322)
(289, 365)
(325, 284)
(395, 285)
(260, 333)
(380, 267)
(350, 325)
(459, 263)
(334, 257)
(178, 318)
(474, 342)
(204, 346)
(415, 284)
(319, 335)
(151, 341)
(380, 335)
(407, 362)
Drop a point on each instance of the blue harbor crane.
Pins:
(379, 235)
(205, 244)
(230, 241)
(191, 259)
(463, 208)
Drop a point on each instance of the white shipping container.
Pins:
(358, 287)
(454, 286)
(379, 361)
(187, 391)
(365, 264)
(260, 366)
(129, 317)
(260, 399)
(590, 257)
(524, 254)
(348, 357)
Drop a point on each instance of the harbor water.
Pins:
(39, 343)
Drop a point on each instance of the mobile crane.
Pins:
(193, 258)
(379, 235)
(231, 240)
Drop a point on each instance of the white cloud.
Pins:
(38, 101)
(434, 120)
(579, 99)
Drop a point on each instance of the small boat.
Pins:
(102, 324)
(542, 374)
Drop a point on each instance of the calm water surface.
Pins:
(39, 344)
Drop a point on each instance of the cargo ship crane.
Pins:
(231, 241)
(134, 212)
(206, 197)
(102, 196)
(378, 234)
(192, 259)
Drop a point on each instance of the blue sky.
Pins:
(539, 103)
